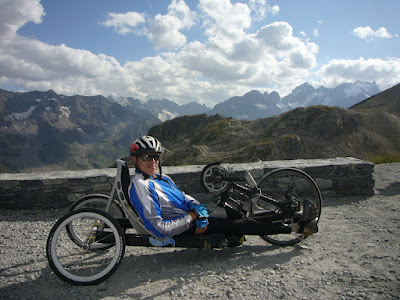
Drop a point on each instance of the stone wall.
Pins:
(335, 177)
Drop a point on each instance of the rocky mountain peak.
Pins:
(368, 129)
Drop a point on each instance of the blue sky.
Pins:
(204, 51)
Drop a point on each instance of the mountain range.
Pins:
(367, 129)
(45, 131)
(254, 104)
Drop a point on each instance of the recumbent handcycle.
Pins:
(87, 244)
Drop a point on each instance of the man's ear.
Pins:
(134, 159)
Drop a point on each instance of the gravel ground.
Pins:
(356, 255)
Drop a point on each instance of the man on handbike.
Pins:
(166, 211)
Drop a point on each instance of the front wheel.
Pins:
(79, 264)
(99, 201)
(287, 185)
(96, 201)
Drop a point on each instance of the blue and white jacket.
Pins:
(161, 205)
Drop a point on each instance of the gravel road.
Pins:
(356, 255)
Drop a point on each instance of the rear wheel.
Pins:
(97, 202)
(287, 186)
(79, 264)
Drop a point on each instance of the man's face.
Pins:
(147, 163)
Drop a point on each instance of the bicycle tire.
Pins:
(280, 183)
(68, 260)
(97, 201)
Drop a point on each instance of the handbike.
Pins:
(87, 244)
(278, 195)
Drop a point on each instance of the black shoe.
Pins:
(309, 212)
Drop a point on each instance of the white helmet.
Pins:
(146, 144)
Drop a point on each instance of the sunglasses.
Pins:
(147, 157)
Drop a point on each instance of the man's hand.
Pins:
(200, 210)
(200, 230)
(201, 225)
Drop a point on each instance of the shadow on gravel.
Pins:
(22, 282)
(179, 268)
(186, 266)
(392, 190)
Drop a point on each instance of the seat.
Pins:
(122, 182)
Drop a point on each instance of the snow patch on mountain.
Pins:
(65, 111)
(261, 106)
(357, 88)
(167, 115)
(23, 115)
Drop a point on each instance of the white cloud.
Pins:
(259, 8)
(230, 60)
(367, 33)
(225, 20)
(179, 9)
(279, 41)
(385, 73)
(16, 13)
(165, 30)
(124, 23)
(383, 33)
(316, 30)
(274, 9)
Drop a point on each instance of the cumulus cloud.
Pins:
(15, 13)
(231, 58)
(279, 41)
(231, 61)
(165, 30)
(124, 23)
(385, 73)
(367, 33)
(224, 20)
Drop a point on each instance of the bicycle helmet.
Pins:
(146, 144)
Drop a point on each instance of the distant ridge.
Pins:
(368, 129)
(386, 101)
(254, 104)
(43, 131)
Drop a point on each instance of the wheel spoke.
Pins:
(289, 187)
(76, 262)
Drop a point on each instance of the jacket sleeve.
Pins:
(147, 205)
(189, 199)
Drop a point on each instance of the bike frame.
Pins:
(253, 192)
